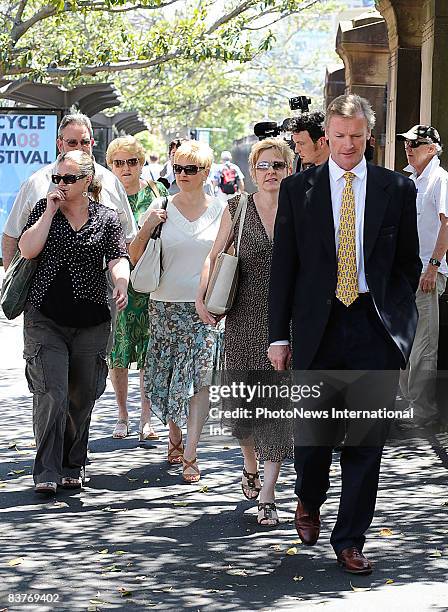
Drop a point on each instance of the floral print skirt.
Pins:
(182, 355)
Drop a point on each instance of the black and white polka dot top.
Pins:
(82, 252)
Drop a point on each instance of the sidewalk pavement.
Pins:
(137, 538)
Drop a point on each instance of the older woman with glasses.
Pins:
(246, 331)
(182, 350)
(125, 156)
(67, 319)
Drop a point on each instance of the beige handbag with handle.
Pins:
(223, 282)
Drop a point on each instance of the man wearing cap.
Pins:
(418, 382)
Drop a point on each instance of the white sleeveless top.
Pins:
(185, 245)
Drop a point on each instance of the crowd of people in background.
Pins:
(88, 226)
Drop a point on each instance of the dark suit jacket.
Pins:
(304, 264)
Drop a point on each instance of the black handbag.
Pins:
(16, 285)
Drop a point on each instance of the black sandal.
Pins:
(251, 484)
(267, 511)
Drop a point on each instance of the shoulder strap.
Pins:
(242, 203)
(153, 186)
(156, 233)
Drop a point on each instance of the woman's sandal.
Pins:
(47, 488)
(147, 432)
(121, 429)
(267, 514)
(71, 483)
(175, 451)
(190, 464)
(250, 487)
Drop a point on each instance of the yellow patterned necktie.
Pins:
(347, 286)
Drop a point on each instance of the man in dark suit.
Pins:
(345, 269)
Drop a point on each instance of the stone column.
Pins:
(362, 44)
(404, 19)
(334, 85)
(434, 85)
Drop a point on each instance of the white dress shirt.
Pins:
(359, 184)
(39, 184)
(432, 201)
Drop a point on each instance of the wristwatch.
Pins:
(435, 262)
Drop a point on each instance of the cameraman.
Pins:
(308, 134)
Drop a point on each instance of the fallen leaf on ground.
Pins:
(296, 542)
(237, 572)
(60, 504)
(124, 592)
(109, 509)
(276, 547)
(180, 504)
(386, 532)
(97, 601)
(298, 578)
(291, 551)
(120, 552)
(436, 553)
(359, 589)
(167, 589)
(146, 482)
(389, 581)
(14, 562)
(203, 489)
(103, 552)
(16, 472)
(132, 479)
(112, 568)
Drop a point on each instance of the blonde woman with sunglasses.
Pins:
(246, 329)
(125, 156)
(182, 350)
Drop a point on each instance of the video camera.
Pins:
(270, 129)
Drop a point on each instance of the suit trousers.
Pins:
(66, 371)
(354, 339)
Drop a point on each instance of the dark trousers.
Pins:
(66, 372)
(354, 339)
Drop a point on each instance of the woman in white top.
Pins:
(182, 351)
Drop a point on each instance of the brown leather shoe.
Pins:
(307, 524)
(354, 562)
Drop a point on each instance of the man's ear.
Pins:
(59, 145)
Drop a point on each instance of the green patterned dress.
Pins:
(131, 334)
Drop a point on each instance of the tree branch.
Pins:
(241, 8)
(102, 6)
(19, 29)
(18, 17)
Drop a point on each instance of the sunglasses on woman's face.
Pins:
(265, 165)
(119, 163)
(414, 144)
(67, 179)
(190, 169)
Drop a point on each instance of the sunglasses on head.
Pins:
(72, 142)
(265, 165)
(119, 163)
(189, 169)
(67, 179)
(413, 144)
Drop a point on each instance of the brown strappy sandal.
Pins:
(190, 464)
(251, 487)
(175, 451)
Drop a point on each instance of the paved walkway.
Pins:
(137, 538)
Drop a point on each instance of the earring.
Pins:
(84, 194)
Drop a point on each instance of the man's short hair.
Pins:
(77, 118)
(349, 106)
(313, 123)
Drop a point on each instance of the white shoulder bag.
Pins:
(145, 277)
(223, 282)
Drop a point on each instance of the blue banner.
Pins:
(27, 142)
